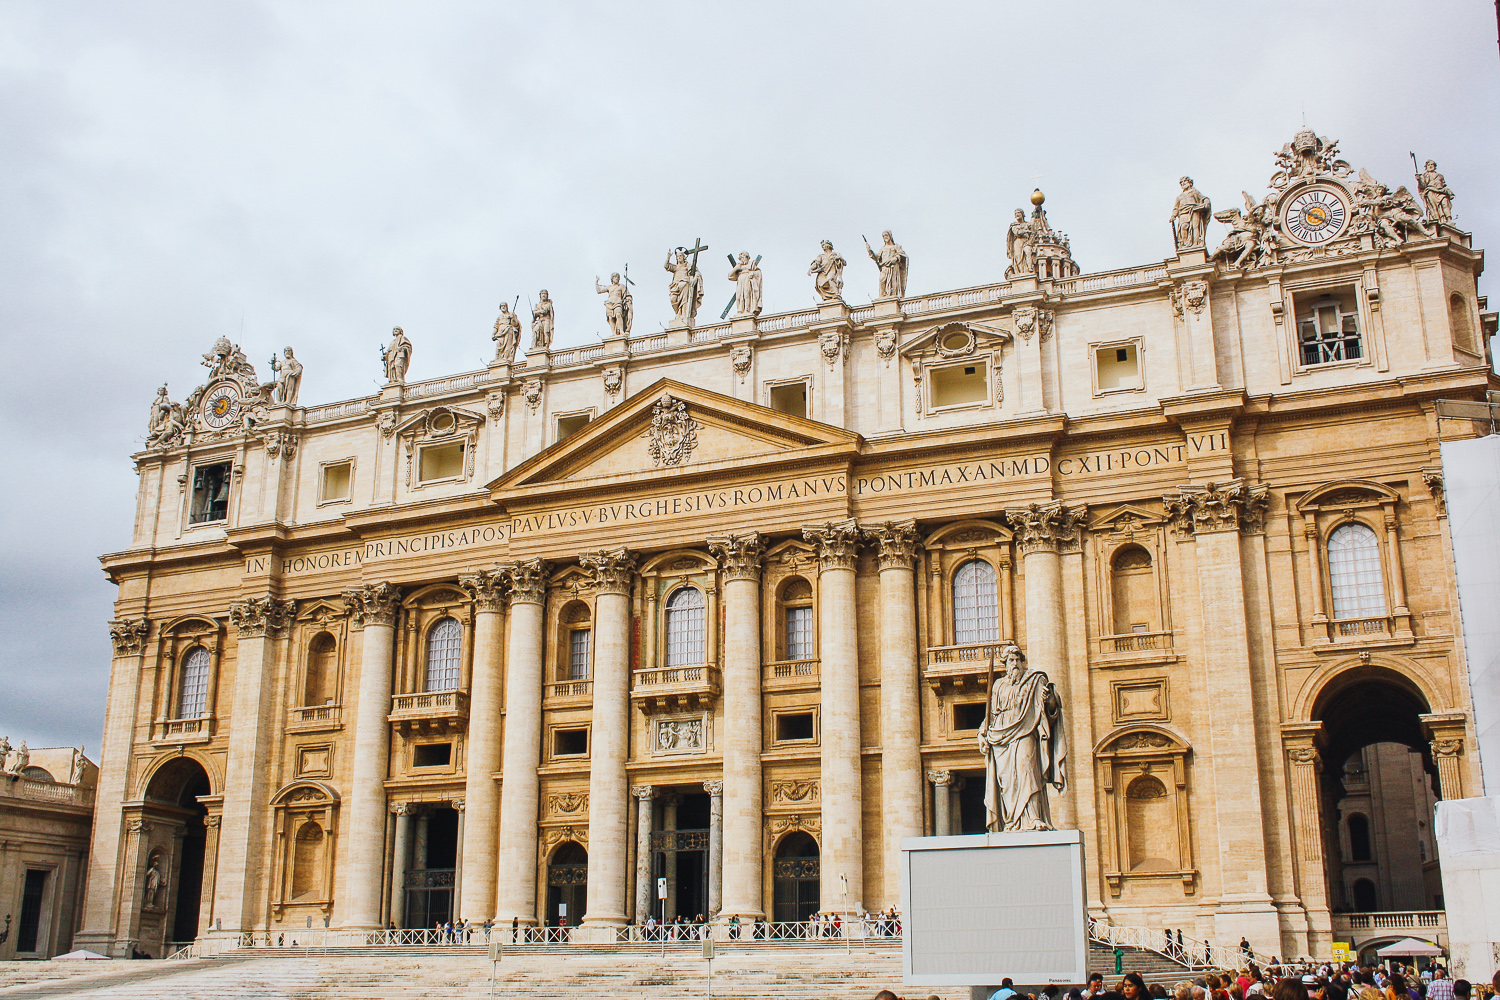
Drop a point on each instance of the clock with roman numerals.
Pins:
(1315, 215)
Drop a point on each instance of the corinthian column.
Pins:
(99, 924)
(1039, 530)
(608, 790)
(740, 560)
(837, 544)
(481, 797)
(900, 735)
(523, 743)
(372, 608)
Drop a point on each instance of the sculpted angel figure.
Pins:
(1023, 747)
(167, 422)
(1393, 215)
(20, 760)
(892, 261)
(507, 334)
(1190, 215)
(619, 305)
(686, 289)
(1435, 193)
(288, 378)
(1252, 238)
(746, 277)
(828, 274)
(1018, 245)
(541, 321)
(397, 356)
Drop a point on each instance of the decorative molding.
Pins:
(494, 404)
(485, 589)
(714, 787)
(834, 344)
(1304, 755)
(896, 543)
(679, 735)
(885, 345)
(940, 778)
(373, 604)
(129, 634)
(837, 543)
(614, 380)
(262, 616)
(1044, 527)
(531, 389)
(740, 356)
(1451, 747)
(612, 569)
(798, 791)
(673, 434)
(527, 580)
(739, 555)
(1432, 477)
(643, 791)
(280, 443)
(568, 802)
(1227, 507)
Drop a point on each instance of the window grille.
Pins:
(975, 605)
(685, 618)
(192, 702)
(578, 654)
(1329, 334)
(443, 644)
(799, 633)
(1354, 572)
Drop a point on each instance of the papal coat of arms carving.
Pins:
(673, 434)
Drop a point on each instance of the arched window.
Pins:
(1133, 590)
(442, 655)
(1359, 838)
(1150, 826)
(685, 639)
(322, 665)
(1365, 899)
(192, 698)
(1354, 572)
(307, 860)
(797, 620)
(976, 608)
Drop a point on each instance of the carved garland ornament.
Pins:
(673, 434)
(795, 791)
(568, 802)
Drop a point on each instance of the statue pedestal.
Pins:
(887, 308)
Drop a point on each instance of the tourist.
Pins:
(1095, 986)
(1441, 987)
(1462, 989)
(1006, 991)
(1290, 988)
(1133, 987)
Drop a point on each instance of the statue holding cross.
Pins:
(686, 288)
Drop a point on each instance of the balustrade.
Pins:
(667, 688)
(430, 711)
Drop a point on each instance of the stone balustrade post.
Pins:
(519, 790)
(477, 844)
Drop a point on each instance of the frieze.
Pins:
(794, 791)
(568, 803)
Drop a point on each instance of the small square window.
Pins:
(1328, 328)
(1117, 367)
(441, 461)
(960, 385)
(432, 755)
(970, 716)
(795, 727)
(338, 481)
(571, 424)
(570, 742)
(790, 399)
(210, 493)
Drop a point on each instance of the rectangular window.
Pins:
(578, 653)
(441, 461)
(571, 424)
(1117, 366)
(31, 909)
(1328, 329)
(795, 727)
(969, 716)
(791, 398)
(338, 481)
(799, 633)
(210, 493)
(432, 755)
(570, 742)
(960, 385)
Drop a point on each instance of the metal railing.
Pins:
(1191, 953)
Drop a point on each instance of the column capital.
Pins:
(715, 788)
(458, 805)
(643, 791)
(486, 589)
(739, 554)
(129, 634)
(527, 581)
(612, 569)
(940, 777)
(1451, 747)
(1305, 756)
(262, 616)
(1231, 506)
(373, 604)
(1043, 527)
(401, 809)
(896, 543)
(837, 543)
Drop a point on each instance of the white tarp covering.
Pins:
(1468, 838)
(1471, 484)
(80, 956)
(1410, 948)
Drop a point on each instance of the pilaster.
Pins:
(1302, 743)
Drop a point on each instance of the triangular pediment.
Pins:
(955, 340)
(1125, 519)
(669, 429)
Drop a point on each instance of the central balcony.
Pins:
(676, 689)
(430, 712)
(961, 669)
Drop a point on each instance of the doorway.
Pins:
(567, 885)
(429, 879)
(796, 883)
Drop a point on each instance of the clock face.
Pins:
(221, 407)
(1315, 215)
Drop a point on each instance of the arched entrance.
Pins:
(796, 892)
(1379, 788)
(567, 885)
(170, 890)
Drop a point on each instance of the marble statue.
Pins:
(1018, 240)
(827, 270)
(619, 305)
(20, 760)
(288, 378)
(686, 289)
(541, 322)
(155, 882)
(746, 277)
(1190, 216)
(1435, 193)
(4, 751)
(507, 335)
(167, 422)
(397, 357)
(1253, 239)
(1394, 215)
(892, 261)
(1023, 747)
(75, 773)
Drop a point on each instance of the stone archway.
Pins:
(166, 889)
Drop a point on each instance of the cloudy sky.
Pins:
(313, 173)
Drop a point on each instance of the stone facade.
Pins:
(715, 605)
(46, 813)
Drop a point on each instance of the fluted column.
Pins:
(523, 743)
(900, 726)
(613, 570)
(715, 790)
(942, 803)
(400, 857)
(741, 872)
(481, 797)
(100, 924)
(372, 608)
(842, 849)
(259, 622)
(644, 901)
